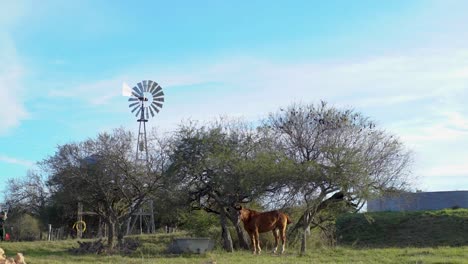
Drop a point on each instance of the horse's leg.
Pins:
(257, 240)
(283, 237)
(275, 234)
(254, 245)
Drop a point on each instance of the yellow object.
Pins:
(80, 226)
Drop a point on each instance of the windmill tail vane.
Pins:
(126, 90)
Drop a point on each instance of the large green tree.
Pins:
(336, 152)
(102, 174)
(223, 164)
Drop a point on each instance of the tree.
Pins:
(29, 195)
(103, 175)
(335, 151)
(221, 165)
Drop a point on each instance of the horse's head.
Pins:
(242, 213)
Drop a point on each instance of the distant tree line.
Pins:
(315, 158)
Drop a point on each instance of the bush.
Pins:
(23, 228)
(200, 223)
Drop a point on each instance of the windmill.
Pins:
(146, 99)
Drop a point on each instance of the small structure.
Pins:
(419, 201)
(197, 245)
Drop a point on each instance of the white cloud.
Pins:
(440, 140)
(387, 80)
(12, 109)
(94, 93)
(16, 161)
(448, 170)
(251, 85)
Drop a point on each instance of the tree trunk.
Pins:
(304, 239)
(121, 229)
(244, 240)
(111, 235)
(227, 240)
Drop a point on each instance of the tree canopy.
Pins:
(102, 174)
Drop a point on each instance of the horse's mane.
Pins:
(251, 210)
(250, 213)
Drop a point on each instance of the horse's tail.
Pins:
(289, 221)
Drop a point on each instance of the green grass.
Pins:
(404, 229)
(153, 250)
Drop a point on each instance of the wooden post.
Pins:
(79, 234)
(153, 225)
(141, 221)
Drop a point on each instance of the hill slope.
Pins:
(401, 229)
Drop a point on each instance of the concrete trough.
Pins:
(195, 245)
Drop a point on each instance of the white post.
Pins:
(50, 231)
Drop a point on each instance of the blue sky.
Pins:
(403, 63)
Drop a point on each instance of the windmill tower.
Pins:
(146, 98)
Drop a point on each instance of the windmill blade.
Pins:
(137, 92)
(147, 113)
(159, 99)
(133, 110)
(151, 110)
(145, 86)
(153, 87)
(138, 112)
(158, 104)
(126, 90)
(133, 99)
(141, 88)
(156, 90)
(155, 109)
(161, 93)
(133, 104)
(150, 85)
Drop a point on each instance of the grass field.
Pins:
(404, 229)
(153, 250)
(385, 237)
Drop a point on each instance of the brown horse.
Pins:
(257, 222)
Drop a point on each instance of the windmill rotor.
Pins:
(146, 99)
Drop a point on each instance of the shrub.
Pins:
(23, 228)
(199, 223)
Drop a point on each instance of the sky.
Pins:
(403, 63)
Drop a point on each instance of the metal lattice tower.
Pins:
(146, 99)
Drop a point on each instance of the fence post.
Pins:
(49, 234)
